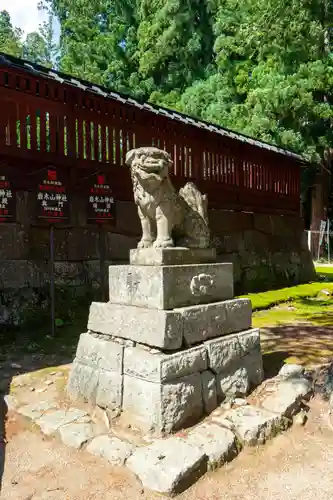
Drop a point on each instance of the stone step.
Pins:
(168, 330)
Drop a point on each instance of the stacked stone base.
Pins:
(164, 369)
(163, 392)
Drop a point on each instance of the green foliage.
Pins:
(10, 37)
(261, 67)
(39, 47)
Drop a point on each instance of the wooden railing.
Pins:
(49, 122)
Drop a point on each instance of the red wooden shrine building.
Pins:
(49, 118)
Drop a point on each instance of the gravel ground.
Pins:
(297, 465)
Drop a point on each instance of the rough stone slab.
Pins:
(286, 399)
(203, 322)
(82, 383)
(109, 390)
(209, 393)
(219, 444)
(232, 383)
(169, 287)
(153, 327)
(163, 408)
(291, 371)
(225, 351)
(112, 449)
(101, 353)
(168, 466)
(50, 422)
(159, 367)
(76, 435)
(36, 410)
(253, 425)
(171, 256)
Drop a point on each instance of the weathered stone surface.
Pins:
(76, 435)
(82, 382)
(225, 351)
(232, 383)
(182, 403)
(169, 287)
(154, 327)
(158, 367)
(161, 208)
(168, 466)
(291, 371)
(109, 389)
(52, 421)
(254, 366)
(286, 399)
(253, 425)
(103, 354)
(142, 403)
(111, 448)
(209, 393)
(171, 256)
(203, 322)
(163, 407)
(36, 410)
(218, 443)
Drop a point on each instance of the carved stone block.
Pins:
(169, 287)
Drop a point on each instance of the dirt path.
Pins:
(295, 466)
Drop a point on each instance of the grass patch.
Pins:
(265, 300)
(312, 311)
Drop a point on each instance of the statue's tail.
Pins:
(197, 201)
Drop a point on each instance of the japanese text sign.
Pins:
(101, 203)
(7, 200)
(52, 199)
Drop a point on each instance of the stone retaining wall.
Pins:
(267, 251)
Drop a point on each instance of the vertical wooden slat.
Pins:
(53, 136)
(3, 124)
(103, 142)
(42, 128)
(87, 138)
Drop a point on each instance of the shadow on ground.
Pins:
(301, 343)
(26, 352)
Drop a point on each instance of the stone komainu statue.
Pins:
(168, 218)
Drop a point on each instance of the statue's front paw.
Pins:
(166, 243)
(145, 244)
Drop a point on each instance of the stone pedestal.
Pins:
(170, 345)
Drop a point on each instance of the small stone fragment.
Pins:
(219, 444)
(168, 466)
(240, 402)
(51, 422)
(291, 371)
(76, 435)
(16, 366)
(254, 425)
(112, 449)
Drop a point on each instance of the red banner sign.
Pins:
(52, 199)
(7, 200)
(101, 203)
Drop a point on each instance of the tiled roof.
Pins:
(36, 69)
